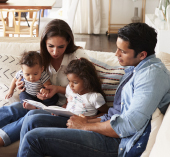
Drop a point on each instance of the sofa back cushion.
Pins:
(8, 67)
(165, 58)
(110, 77)
(162, 143)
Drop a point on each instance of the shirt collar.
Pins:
(132, 68)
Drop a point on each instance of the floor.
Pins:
(98, 42)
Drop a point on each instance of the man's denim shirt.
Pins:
(148, 89)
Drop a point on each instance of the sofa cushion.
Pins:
(9, 151)
(8, 68)
(165, 58)
(162, 143)
(110, 77)
(15, 46)
(156, 121)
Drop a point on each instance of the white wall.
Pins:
(123, 10)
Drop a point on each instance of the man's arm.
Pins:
(82, 123)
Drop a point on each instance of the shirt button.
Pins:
(122, 103)
(133, 70)
(120, 134)
(121, 148)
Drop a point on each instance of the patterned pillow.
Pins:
(110, 76)
(9, 65)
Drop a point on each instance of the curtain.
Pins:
(88, 17)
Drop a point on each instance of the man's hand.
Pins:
(77, 122)
(28, 106)
(20, 84)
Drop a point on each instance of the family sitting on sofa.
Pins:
(94, 130)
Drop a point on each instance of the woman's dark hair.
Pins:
(140, 36)
(85, 70)
(31, 58)
(54, 28)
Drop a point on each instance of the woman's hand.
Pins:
(52, 91)
(28, 106)
(20, 84)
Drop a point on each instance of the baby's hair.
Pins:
(31, 58)
(85, 70)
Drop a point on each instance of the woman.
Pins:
(57, 49)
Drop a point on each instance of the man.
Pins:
(144, 87)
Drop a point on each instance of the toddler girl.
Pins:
(84, 93)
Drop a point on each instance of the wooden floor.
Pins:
(98, 42)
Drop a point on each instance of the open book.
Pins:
(52, 109)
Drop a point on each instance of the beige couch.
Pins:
(10, 50)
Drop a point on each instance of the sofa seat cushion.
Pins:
(10, 151)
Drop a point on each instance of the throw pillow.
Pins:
(110, 77)
(8, 68)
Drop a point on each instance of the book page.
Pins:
(59, 111)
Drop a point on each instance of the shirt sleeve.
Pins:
(97, 100)
(68, 90)
(139, 99)
(44, 77)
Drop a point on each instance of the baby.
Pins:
(34, 77)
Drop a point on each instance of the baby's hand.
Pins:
(9, 95)
(44, 91)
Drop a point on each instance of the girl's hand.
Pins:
(52, 91)
(20, 84)
(28, 106)
(9, 94)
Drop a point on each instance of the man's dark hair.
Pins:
(140, 36)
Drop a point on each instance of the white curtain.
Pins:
(88, 17)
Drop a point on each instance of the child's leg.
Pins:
(51, 101)
(24, 95)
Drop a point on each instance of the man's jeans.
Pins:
(49, 136)
(11, 118)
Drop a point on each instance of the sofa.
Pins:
(10, 50)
